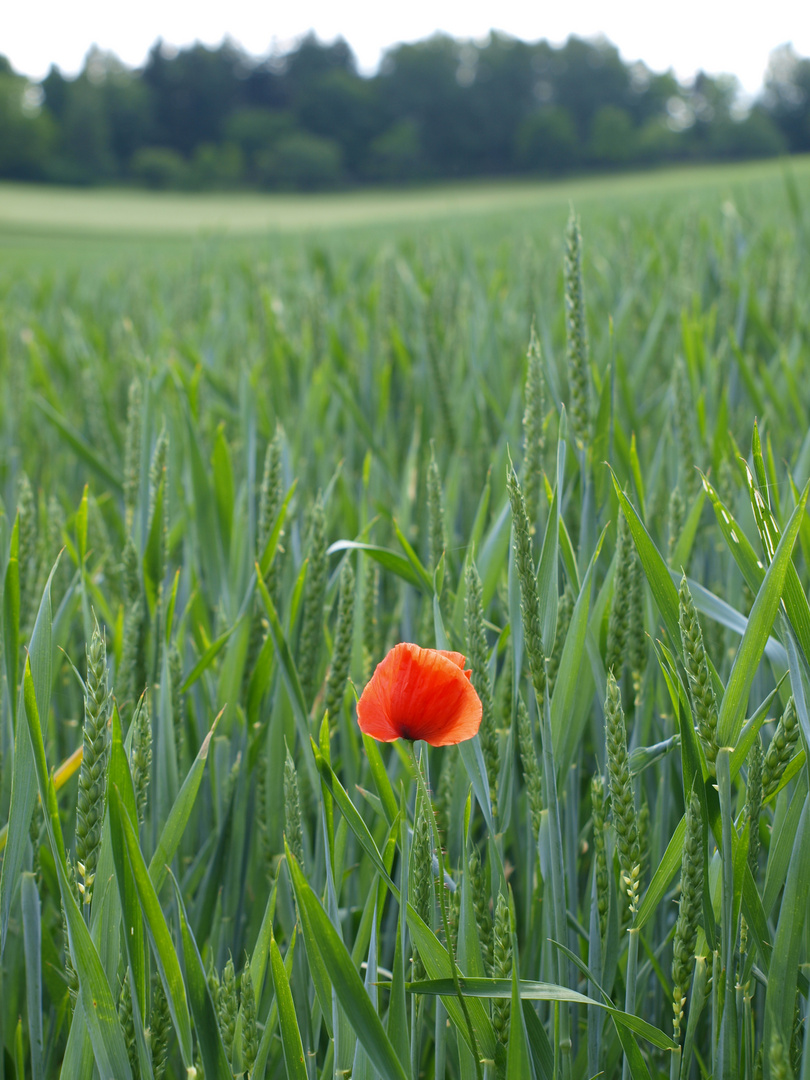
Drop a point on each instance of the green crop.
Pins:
(229, 485)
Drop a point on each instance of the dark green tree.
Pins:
(26, 132)
(787, 97)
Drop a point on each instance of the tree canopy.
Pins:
(439, 108)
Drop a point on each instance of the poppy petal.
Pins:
(455, 657)
(420, 693)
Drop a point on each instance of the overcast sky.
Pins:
(688, 35)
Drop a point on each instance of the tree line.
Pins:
(208, 118)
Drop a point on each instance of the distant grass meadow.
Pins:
(39, 225)
(247, 446)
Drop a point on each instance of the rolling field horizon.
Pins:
(43, 224)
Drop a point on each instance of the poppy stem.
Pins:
(420, 780)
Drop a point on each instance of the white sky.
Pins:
(715, 35)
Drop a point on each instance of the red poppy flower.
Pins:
(420, 694)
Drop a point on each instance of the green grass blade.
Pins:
(542, 1054)
(179, 814)
(143, 1050)
(750, 731)
(290, 1035)
(362, 1066)
(781, 846)
(207, 658)
(518, 1063)
(259, 957)
(266, 557)
(473, 543)
(388, 560)
(11, 619)
(667, 869)
(632, 1055)
(222, 473)
(163, 946)
(760, 621)
(470, 750)
(602, 428)
(291, 678)
(81, 527)
(397, 1023)
(414, 560)
(261, 950)
(655, 568)
(635, 469)
(738, 543)
(541, 991)
(317, 968)
(347, 984)
(780, 998)
(726, 1053)
(78, 1058)
(381, 779)
(468, 950)
(272, 1020)
(686, 540)
(23, 799)
(101, 1014)
(211, 556)
(153, 554)
(82, 449)
(437, 966)
(352, 816)
(32, 941)
(494, 549)
(206, 1025)
(23, 777)
(262, 675)
(548, 589)
(120, 779)
(573, 689)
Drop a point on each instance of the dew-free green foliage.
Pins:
(704, 702)
(141, 756)
(228, 1007)
(478, 656)
(421, 878)
(159, 1031)
(436, 530)
(622, 800)
(689, 905)
(619, 620)
(244, 504)
(532, 773)
(576, 334)
(250, 1035)
(600, 851)
(501, 966)
(342, 647)
(533, 433)
(780, 749)
(292, 811)
(93, 771)
(314, 593)
(753, 802)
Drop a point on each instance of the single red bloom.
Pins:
(420, 694)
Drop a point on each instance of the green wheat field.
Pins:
(249, 445)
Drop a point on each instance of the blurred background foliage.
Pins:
(217, 118)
